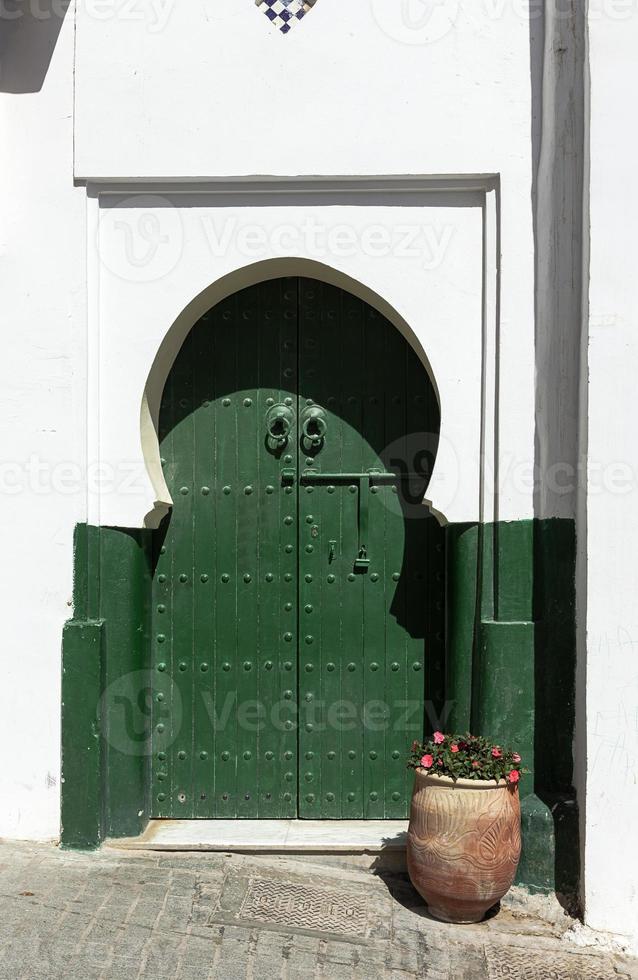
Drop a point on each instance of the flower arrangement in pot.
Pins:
(464, 838)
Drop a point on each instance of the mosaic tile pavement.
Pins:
(317, 909)
(524, 964)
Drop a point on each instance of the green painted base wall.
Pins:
(81, 742)
(106, 689)
(511, 661)
(509, 664)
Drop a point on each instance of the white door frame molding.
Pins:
(423, 250)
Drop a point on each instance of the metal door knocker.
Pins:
(279, 422)
(314, 426)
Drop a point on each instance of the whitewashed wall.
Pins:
(611, 855)
(42, 410)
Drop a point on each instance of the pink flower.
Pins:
(454, 748)
(514, 776)
(427, 761)
(497, 753)
(439, 738)
(476, 765)
(516, 757)
(439, 762)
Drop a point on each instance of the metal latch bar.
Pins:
(314, 476)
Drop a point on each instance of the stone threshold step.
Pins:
(271, 836)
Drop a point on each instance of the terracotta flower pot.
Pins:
(464, 844)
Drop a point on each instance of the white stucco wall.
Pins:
(611, 845)
(42, 414)
(212, 89)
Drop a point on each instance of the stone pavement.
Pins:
(141, 915)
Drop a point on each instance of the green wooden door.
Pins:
(297, 588)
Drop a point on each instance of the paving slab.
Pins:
(142, 915)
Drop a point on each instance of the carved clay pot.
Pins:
(464, 844)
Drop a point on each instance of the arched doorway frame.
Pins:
(215, 293)
(450, 305)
